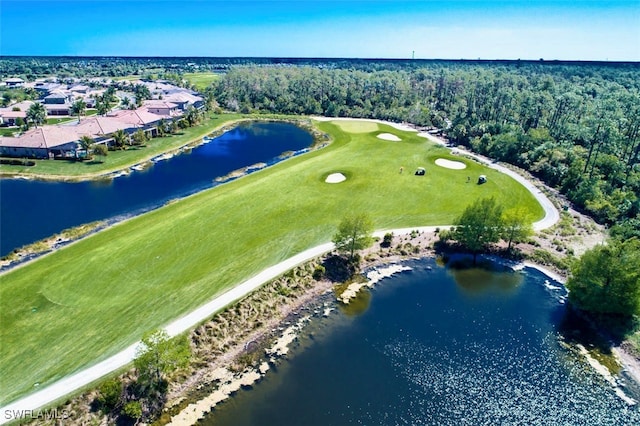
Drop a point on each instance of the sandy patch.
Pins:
(281, 346)
(389, 137)
(357, 126)
(335, 178)
(448, 164)
(400, 126)
(373, 277)
(604, 372)
(231, 384)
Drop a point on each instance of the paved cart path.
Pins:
(70, 384)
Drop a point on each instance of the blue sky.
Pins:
(508, 29)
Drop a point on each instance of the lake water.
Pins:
(436, 347)
(32, 210)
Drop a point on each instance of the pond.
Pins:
(33, 210)
(436, 346)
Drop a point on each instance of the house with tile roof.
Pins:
(184, 99)
(10, 114)
(42, 142)
(140, 119)
(161, 107)
(14, 82)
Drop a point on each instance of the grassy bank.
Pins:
(118, 160)
(81, 304)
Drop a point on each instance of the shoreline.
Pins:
(375, 271)
(148, 160)
(200, 312)
(26, 256)
(224, 371)
(124, 169)
(68, 384)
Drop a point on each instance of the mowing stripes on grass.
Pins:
(89, 300)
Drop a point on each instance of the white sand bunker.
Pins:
(335, 178)
(456, 165)
(389, 137)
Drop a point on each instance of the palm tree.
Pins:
(119, 138)
(78, 107)
(37, 114)
(86, 144)
(173, 127)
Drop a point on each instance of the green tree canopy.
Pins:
(139, 137)
(159, 355)
(354, 233)
(606, 279)
(101, 150)
(516, 226)
(102, 105)
(479, 225)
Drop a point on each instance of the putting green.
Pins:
(81, 304)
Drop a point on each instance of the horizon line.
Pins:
(318, 58)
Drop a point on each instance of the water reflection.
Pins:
(479, 281)
(423, 353)
(66, 204)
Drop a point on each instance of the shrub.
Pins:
(318, 272)
(133, 410)
(386, 241)
(110, 393)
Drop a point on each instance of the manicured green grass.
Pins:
(85, 302)
(201, 79)
(8, 131)
(117, 160)
(60, 120)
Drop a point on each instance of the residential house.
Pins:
(14, 82)
(160, 107)
(140, 119)
(42, 142)
(79, 88)
(57, 97)
(10, 114)
(184, 99)
(45, 89)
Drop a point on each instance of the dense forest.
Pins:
(577, 127)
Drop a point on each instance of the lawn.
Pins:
(117, 160)
(201, 80)
(66, 119)
(85, 302)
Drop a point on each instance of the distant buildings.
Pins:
(61, 141)
(14, 82)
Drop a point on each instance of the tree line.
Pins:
(577, 127)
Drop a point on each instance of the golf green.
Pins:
(74, 307)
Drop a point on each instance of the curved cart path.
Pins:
(69, 384)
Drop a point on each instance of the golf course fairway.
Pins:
(81, 304)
